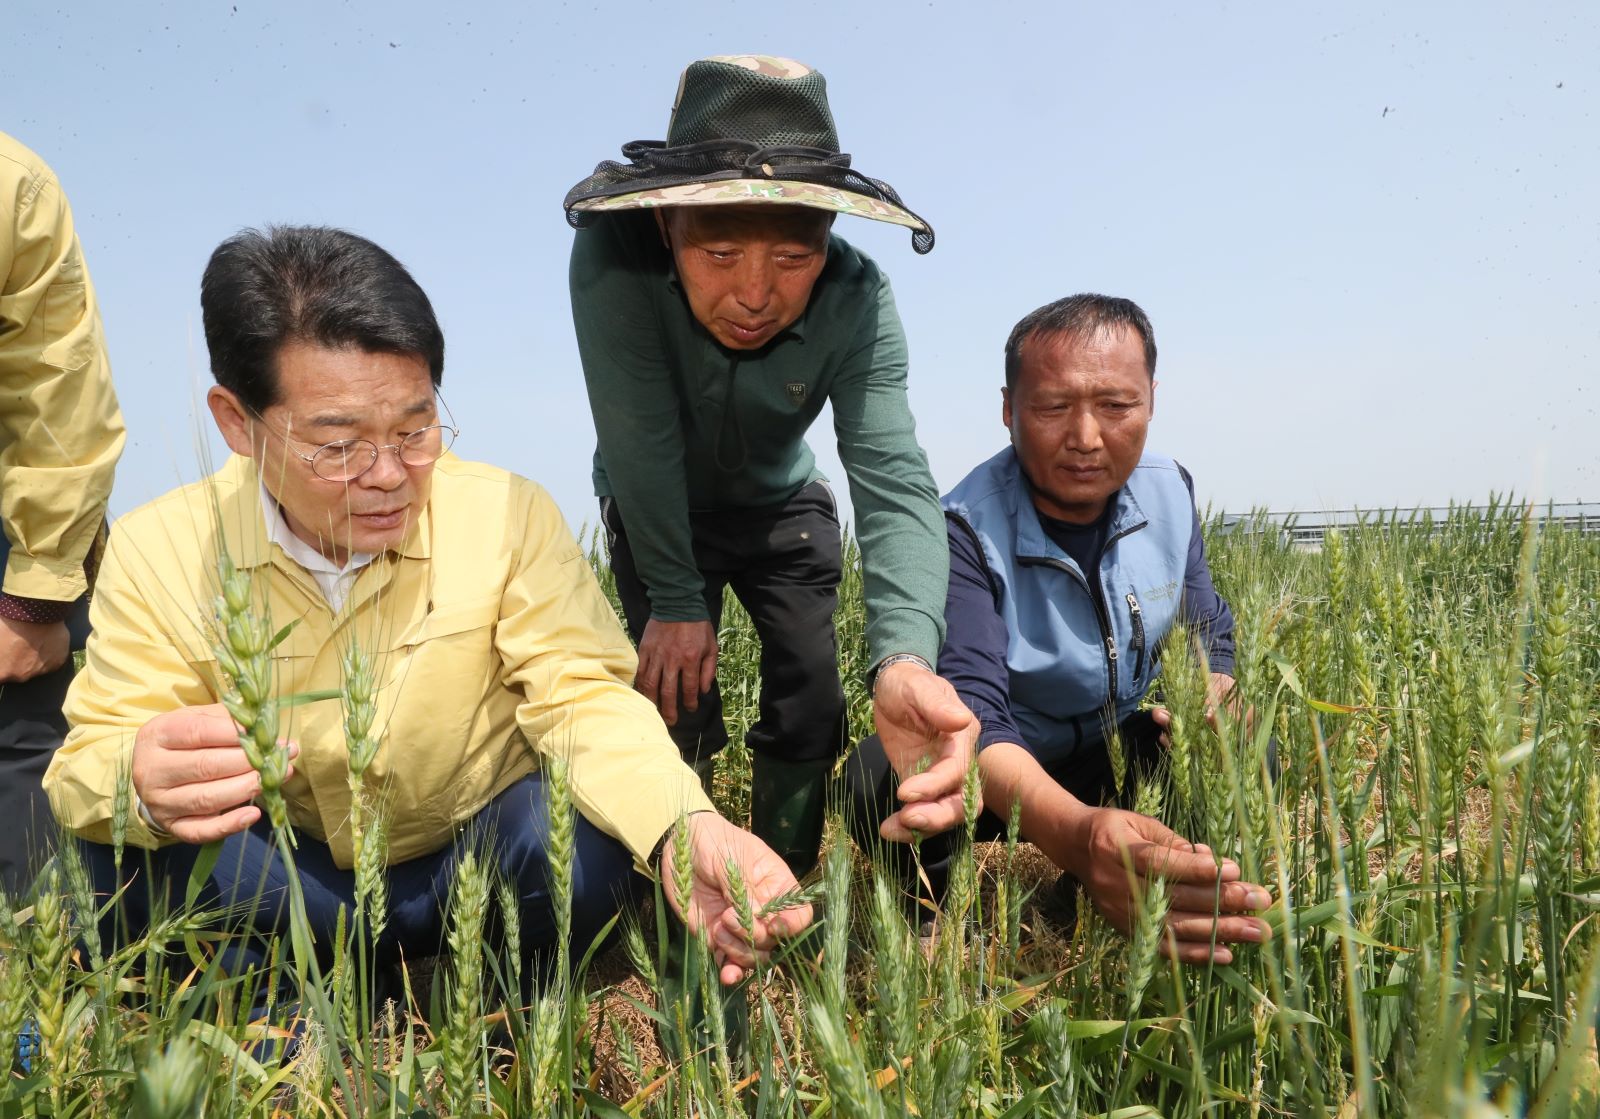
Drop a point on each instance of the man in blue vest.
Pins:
(1073, 552)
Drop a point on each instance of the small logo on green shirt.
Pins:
(797, 391)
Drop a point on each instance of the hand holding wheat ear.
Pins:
(1221, 693)
(192, 775)
(1120, 855)
(712, 904)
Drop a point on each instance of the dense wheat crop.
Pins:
(1432, 835)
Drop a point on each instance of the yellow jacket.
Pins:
(490, 633)
(60, 428)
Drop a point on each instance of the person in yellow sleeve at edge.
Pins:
(493, 644)
(60, 436)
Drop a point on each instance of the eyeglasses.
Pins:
(348, 459)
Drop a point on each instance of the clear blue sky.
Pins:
(1367, 234)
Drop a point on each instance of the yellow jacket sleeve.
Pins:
(60, 428)
(137, 667)
(565, 652)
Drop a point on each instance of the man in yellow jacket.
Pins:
(60, 436)
(492, 646)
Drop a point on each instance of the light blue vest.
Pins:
(1072, 661)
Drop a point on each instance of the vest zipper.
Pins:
(1138, 635)
(1102, 612)
(1103, 616)
(1102, 607)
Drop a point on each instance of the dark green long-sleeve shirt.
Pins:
(684, 424)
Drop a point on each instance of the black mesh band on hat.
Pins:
(753, 117)
(721, 101)
(653, 165)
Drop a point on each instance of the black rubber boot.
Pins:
(788, 803)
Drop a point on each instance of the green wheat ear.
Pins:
(368, 833)
(790, 899)
(561, 852)
(741, 897)
(682, 863)
(359, 694)
(633, 943)
(372, 872)
(16, 976)
(836, 927)
(243, 646)
(52, 941)
(549, 1023)
(1148, 930)
(848, 1079)
(121, 808)
(511, 917)
(172, 1085)
(469, 902)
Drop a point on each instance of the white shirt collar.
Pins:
(334, 581)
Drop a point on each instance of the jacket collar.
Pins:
(244, 530)
(1031, 541)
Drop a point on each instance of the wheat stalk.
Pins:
(469, 896)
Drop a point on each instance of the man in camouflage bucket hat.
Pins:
(716, 313)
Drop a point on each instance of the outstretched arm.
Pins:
(970, 694)
(920, 719)
(1117, 854)
(905, 563)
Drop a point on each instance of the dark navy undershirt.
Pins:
(1083, 543)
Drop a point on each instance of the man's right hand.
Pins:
(1207, 900)
(30, 649)
(677, 664)
(192, 776)
(712, 908)
(920, 718)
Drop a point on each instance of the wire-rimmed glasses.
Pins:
(345, 460)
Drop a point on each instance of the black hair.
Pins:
(313, 284)
(1079, 316)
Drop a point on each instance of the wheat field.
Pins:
(1432, 835)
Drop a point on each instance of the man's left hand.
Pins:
(711, 906)
(919, 715)
(1220, 692)
(30, 649)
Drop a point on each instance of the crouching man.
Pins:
(1072, 554)
(492, 646)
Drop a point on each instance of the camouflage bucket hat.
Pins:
(745, 129)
